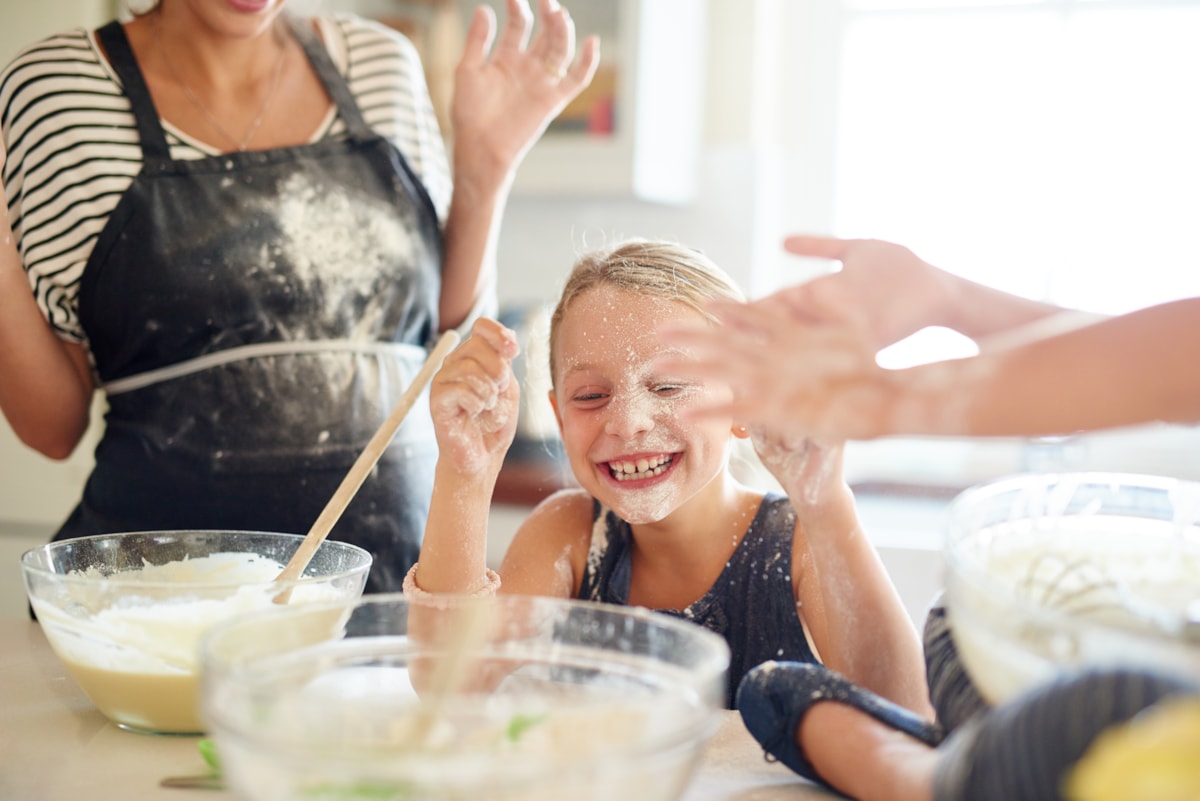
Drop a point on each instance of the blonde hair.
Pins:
(657, 269)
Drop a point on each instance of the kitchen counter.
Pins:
(55, 746)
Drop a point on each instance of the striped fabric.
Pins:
(1023, 749)
(73, 148)
(951, 691)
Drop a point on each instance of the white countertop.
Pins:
(55, 746)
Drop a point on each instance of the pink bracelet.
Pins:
(490, 585)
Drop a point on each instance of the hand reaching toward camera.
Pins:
(896, 292)
(797, 375)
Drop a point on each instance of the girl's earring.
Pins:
(740, 431)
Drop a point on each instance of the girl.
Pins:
(658, 520)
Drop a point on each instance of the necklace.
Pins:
(241, 143)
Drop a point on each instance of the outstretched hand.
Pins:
(504, 97)
(896, 292)
(797, 374)
(474, 399)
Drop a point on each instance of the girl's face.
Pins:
(619, 418)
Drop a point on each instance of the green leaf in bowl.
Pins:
(208, 750)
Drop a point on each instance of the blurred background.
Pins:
(1046, 147)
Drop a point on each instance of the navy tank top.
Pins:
(751, 604)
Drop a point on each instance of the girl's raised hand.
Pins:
(809, 470)
(474, 399)
(504, 97)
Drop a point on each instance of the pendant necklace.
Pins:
(241, 143)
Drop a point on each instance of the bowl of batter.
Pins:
(511, 698)
(125, 612)
(1051, 573)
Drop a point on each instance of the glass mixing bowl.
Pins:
(512, 698)
(124, 612)
(1052, 573)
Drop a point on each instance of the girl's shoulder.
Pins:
(566, 506)
(549, 550)
(562, 521)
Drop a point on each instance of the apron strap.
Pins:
(120, 56)
(327, 71)
(403, 351)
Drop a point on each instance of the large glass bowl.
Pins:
(510, 698)
(1047, 574)
(124, 612)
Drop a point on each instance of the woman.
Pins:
(239, 227)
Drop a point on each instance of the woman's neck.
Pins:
(213, 61)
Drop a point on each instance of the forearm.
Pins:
(454, 551)
(1128, 370)
(854, 613)
(979, 311)
(472, 236)
(45, 389)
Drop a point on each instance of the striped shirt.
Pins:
(73, 146)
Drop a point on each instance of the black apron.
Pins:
(253, 318)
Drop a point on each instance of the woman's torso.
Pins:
(73, 147)
(253, 317)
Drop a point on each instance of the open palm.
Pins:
(504, 97)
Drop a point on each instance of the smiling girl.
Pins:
(658, 519)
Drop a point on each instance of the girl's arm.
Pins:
(853, 613)
(474, 401)
(45, 382)
(502, 104)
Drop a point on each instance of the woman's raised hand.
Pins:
(504, 97)
(474, 399)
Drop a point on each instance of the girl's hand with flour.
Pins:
(809, 470)
(474, 400)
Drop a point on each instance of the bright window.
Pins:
(1048, 147)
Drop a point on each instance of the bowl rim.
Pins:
(714, 666)
(718, 648)
(116, 581)
(963, 568)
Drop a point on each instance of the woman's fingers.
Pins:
(817, 247)
(516, 27)
(554, 43)
(480, 34)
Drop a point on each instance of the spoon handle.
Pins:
(364, 464)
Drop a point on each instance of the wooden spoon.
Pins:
(363, 465)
